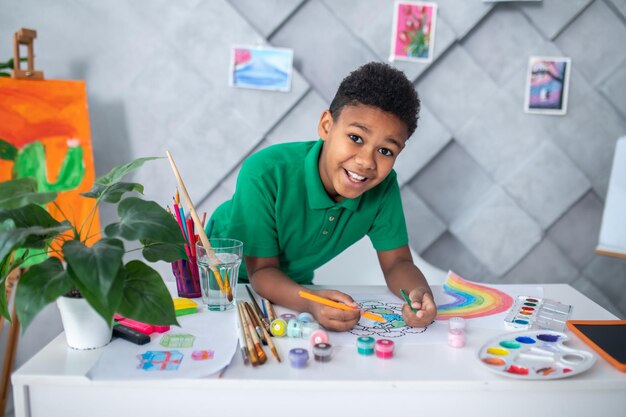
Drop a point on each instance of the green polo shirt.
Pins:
(280, 208)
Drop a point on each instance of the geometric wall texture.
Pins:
(491, 192)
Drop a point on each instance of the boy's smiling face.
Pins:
(360, 148)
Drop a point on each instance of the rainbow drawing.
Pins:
(471, 300)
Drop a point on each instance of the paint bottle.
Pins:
(365, 345)
(318, 336)
(456, 332)
(384, 348)
(278, 328)
(308, 327)
(298, 357)
(322, 352)
(294, 328)
(287, 316)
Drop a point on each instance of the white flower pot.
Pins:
(84, 328)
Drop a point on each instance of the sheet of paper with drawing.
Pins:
(203, 345)
(481, 305)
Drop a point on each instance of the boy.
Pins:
(297, 205)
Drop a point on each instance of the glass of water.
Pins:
(219, 271)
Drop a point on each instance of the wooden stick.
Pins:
(255, 338)
(268, 338)
(254, 360)
(224, 285)
(9, 359)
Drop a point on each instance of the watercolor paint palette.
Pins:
(532, 312)
(534, 354)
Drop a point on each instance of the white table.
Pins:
(423, 380)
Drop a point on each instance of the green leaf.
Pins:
(36, 218)
(21, 192)
(94, 271)
(146, 298)
(144, 220)
(163, 251)
(8, 151)
(39, 286)
(119, 171)
(112, 193)
(12, 238)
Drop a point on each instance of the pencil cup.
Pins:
(187, 278)
(219, 271)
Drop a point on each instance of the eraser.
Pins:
(126, 333)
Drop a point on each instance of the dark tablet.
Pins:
(607, 337)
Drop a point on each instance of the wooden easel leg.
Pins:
(9, 360)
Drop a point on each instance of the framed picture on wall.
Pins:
(547, 85)
(413, 36)
(261, 68)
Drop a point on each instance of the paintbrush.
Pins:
(267, 336)
(262, 318)
(257, 343)
(223, 284)
(254, 359)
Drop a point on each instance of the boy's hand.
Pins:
(333, 318)
(424, 303)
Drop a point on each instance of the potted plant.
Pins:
(97, 273)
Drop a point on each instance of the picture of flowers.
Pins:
(547, 85)
(413, 37)
(261, 68)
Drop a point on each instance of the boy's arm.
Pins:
(401, 273)
(270, 282)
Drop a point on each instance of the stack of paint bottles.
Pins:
(303, 326)
(367, 345)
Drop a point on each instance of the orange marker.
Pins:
(340, 306)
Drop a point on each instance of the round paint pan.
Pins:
(534, 354)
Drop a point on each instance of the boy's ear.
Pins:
(326, 122)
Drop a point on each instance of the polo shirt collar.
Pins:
(317, 196)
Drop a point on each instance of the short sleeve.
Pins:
(388, 230)
(253, 217)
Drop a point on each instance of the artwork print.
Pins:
(393, 328)
(413, 36)
(44, 134)
(471, 300)
(261, 68)
(547, 85)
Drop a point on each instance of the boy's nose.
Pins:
(365, 158)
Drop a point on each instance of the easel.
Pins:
(25, 37)
(21, 37)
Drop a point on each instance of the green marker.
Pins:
(408, 300)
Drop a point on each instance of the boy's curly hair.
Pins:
(379, 85)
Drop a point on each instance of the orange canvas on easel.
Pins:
(48, 122)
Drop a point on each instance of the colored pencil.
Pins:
(258, 309)
(408, 300)
(224, 285)
(203, 218)
(260, 353)
(209, 227)
(331, 303)
(268, 338)
(254, 359)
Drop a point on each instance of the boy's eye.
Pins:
(356, 138)
(385, 151)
